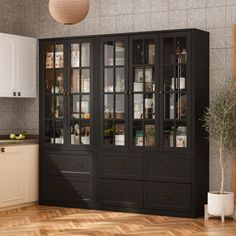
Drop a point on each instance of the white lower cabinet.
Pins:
(18, 175)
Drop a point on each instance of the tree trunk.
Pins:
(222, 185)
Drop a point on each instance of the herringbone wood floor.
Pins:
(47, 221)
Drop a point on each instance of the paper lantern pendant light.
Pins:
(68, 12)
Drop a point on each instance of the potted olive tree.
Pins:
(220, 121)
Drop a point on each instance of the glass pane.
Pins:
(85, 57)
(108, 80)
(149, 106)
(138, 52)
(169, 80)
(168, 134)
(149, 80)
(120, 53)
(49, 82)
(85, 80)
(59, 56)
(138, 106)
(49, 107)
(150, 52)
(59, 132)
(49, 132)
(75, 55)
(109, 54)
(120, 79)
(169, 105)
(181, 106)
(59, 88)
(49, 57)
(181, 52)
(138, 79)
(120, 134)
(59, 107)
(75, 81)
(169, 57)
(85, 133)
(75, 108)
(75, 132)
(149, 135)
(85, 106)
(108, 106)
(138, 133)
(108, 133)
(181, 77)
(181, 135)
(120, 106)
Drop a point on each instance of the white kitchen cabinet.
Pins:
(18, 66)
(18, 175)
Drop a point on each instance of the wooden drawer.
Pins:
(59, 163)
(121, 193)
(80, 191)
(168, 168)
(168, 196)
(121, 165)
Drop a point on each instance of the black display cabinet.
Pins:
(120, 122)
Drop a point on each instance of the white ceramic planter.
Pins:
(221, 204)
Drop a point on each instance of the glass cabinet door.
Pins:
(54, 93)
(174, 92)
(114, 93)
(80, 93)
(143, 93)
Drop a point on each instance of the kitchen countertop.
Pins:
(30, 139)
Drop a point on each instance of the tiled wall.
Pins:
(111, 16)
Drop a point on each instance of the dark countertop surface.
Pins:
(30, 139)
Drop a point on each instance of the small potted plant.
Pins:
(220, 121)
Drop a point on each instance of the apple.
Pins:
(20, 137)
(12, 136)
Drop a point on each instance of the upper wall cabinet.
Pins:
(18, 66)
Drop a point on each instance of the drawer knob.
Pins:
(168, 196)
(3, 149)
(120, 193)
(80, 192)
(166, 167)
(54, 190)
(80, 166)
(120, 165)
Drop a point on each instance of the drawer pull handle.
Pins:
(80, 166)
(166, 167)
(3, 149)
(168, 196)
(120, 165)
(80, 192)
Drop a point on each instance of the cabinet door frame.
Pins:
(156, 38)
(42, 93)
(189, 91)
(101, 68)
(91, 93)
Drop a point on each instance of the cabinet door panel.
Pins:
(176, 168)
(122, 165)
(26, 67)
(166, 196)
(121, 193)
(12, 171)
(7, 73)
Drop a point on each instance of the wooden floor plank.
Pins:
(56, 221)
